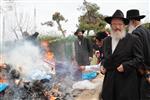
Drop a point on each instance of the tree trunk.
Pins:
(59, 26)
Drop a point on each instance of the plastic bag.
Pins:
(3, 86)
(89, 75)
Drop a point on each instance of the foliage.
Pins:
(48, 23)
(58, 17)
(53, 39)
(47, 38)
(62, 47)
(91, 19)
(147, 25)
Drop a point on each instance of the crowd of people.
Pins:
(124, 56)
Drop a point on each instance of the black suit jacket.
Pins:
(121, 85)
(128, 52)
(83, 51)
(144, 35)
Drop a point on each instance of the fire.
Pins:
(48, 56)
(52, 97)
(2, 66)
(54, 93)
(2, 80)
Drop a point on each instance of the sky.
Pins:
(68, 8)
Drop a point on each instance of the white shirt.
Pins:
(114, 44)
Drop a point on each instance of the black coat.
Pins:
(144, 35)
(83, 50)
(117, 85)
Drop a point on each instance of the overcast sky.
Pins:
(68, 8)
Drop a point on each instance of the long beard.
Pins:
(131, 28)
(80, 37)
(118, 34)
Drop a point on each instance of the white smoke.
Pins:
(27, 59)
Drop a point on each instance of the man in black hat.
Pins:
(121, 57)
(136, 28)
(83, 48)
(100, 36)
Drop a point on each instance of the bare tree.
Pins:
(5, 7)
(23, 24)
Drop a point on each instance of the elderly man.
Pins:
(121, 58)
(136, 28)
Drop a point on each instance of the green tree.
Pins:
(91, 18)
(146, 25)
(58, 17)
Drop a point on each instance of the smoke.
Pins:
(27, 59)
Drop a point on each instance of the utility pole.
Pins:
(3, 31)
(35, 19)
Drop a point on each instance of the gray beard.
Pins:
(118, 35)
(131, 28)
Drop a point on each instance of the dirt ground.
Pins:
(92, 94)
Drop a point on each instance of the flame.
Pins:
(49, 56)
(52, 97)
(3, 78)
(3, 81)
(2, 65)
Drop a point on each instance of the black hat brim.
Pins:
(137, 17)
(108, 20)
(101, 35)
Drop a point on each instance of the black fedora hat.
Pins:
(79, 30)
(134, 14)
(117, 14)
(101, 35)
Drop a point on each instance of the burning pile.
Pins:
(56, 88)
(30, 77)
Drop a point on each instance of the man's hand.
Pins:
(120, 68)
(82, 68)
(97, 53)
(102, 70)
(148, 79)
(148, 76)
